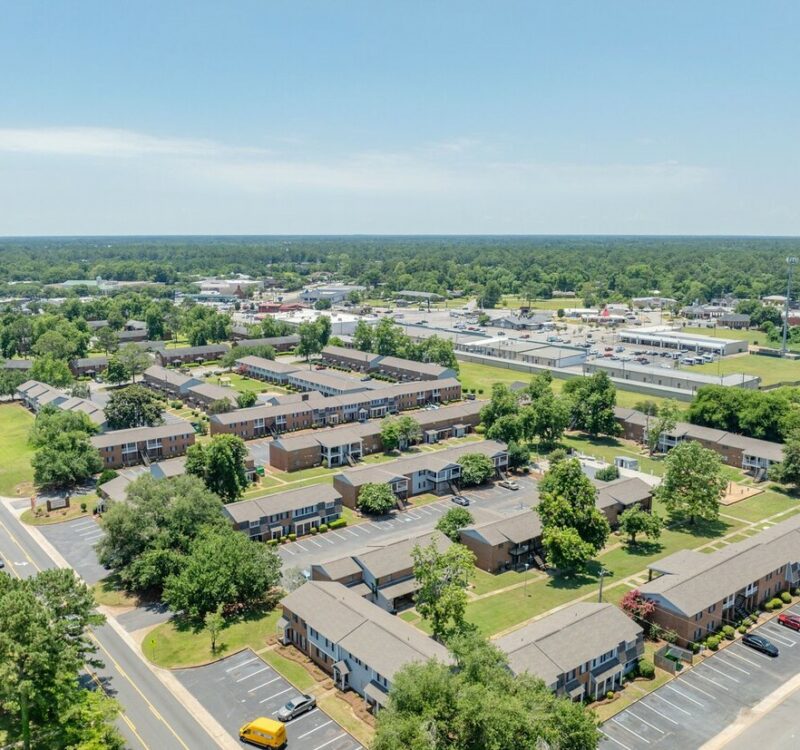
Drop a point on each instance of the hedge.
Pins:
(647, 669)
(337, 524)
(323, 527)
(727, 632)
(786, 597)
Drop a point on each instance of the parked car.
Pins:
(789, 621)
(263, 732)
(2, 564)
(759, 643)
(460, 500)
(296, 707)
(509, 484)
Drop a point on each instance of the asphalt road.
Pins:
(153, 718)
(778, 730)
(703, 701)
(485, 504)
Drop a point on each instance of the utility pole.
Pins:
(791, 262)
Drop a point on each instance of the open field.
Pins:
(15, 453)
(771, 370)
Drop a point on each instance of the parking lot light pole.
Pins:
(603, 574)
(527, 565)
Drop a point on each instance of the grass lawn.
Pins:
(291, 670)
(770, 369)
(296, 485)
(241, 383)
(173, 644)
(513, 302)
(15, 453)
(59, 516)
(606, 448)
(485, 582)
(340, 711)
(754, 338)
(109, 592)
(761, 506)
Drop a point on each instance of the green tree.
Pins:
(107, 340)
(788, 470)
(52, 371)
(134, 406)
(453, 521)
(220, 406)
(116, 372)
(664, 422)
(503, 402)
(693, 483)
(390, 434)
(66, 461)
(214, 622)
(363, 337)
(593, 400)
(220, 463)
(154, 319)
(310, 340)
(147, 537)
(518, 455)
(376, 499)
(635, 520)
(10, 380)
(134, 359)
(546, 418)
(443, 578)
(50, 422)
(507, 428)
(408, 430)
(476, 468)
(491, 295)
(54, 344)
(223, 568)
(246, 399)
(565, 550)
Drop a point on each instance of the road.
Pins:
(154, 719)
(778, 730)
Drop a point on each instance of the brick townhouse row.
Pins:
(339, 446)
(394, 367)
(751, 454)
(143, 445)
(35, 396)
(313, 410)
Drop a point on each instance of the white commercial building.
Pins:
(664, 337)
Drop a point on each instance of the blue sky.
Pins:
(239, 117)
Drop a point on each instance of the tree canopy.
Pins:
(134, 406)
(220, 463)
(376, 499)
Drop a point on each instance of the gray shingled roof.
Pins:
(138, 434)
(281, 502)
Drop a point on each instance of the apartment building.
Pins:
(581, 651)
(697, 593)
(339, 446)
(35, 395)
(360, 645)
(284, 513)
(751, 454)
(319, 411)
(394, 367)
(169, 382)
(280, 344)
(271, 370)
(143, 445)
(327, 383)
(190, 354)
(205, 394)
(350, 359)
(383, 575)
(429, 472)
(88, 366)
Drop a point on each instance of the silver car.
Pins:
(296, 707)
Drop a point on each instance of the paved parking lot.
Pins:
(243, 687)
(486, 502)
(693, 708)
(75, 541)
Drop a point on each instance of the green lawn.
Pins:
(485, 582)
(43, 518)
(607, 448)
(754, 338)
(15, 453)
(513, 301)
(770, 369)
(173, 644)
(241, 383)
(762, 506)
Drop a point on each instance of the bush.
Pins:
(607, 473)
(670, 636)
(796, 592)
(273, 542)
(106, 475)
(727, 632)
(695, 647)
(775, 604)
(283, 539)
(176, 404)
(747, 622)
(646, 669)
(337, 524)
(83, 507)
(786, 597)
(314, 530)
(713, 642)
(480, 429)
(323, 527)
(742, 629)
(292, 536)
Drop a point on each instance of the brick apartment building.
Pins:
(143, 445)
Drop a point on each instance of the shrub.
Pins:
(786, 597)
(480, 429)
(670, 636)
(323, 527)
(337, 524)
(292, 536)
(796, 592)
(283, 539)
(176, 404)
(646, 669)
(776, 604)
(695, 647)
(727, 632)
(747, 622)
(314, 530)
(713, 642)
(106, 475)
(742, 629)
(607, 473)
(273, 542)
(83, 507)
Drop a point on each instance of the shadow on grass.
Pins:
(576, 579)
(643, 548)
(702, 528)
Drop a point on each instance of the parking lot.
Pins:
(75, 541)
(704, 700)
(243, 687)
(494, 501)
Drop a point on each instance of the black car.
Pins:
(759, 643)
(460, 500)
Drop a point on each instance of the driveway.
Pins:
(704, 700)
(243, 687)
(75, 542)
(485, 503)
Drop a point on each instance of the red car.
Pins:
(789, 621)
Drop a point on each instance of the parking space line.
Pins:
(731, 652)
(686, 682)
(719, 671)
(780, 637)
(375, 525)
(325, 744)
(613, 740)
(425, 511)
(253, 674)
(708, 679)
(315, 542)
(297, 544)
(656, 711)
(688, 698)
(264, 684)
(315, 729)
(409, 514)
(329, 541)
(92, 537)
(343, 538)
(759, 655)
(305, 716)
(670, 703)
(351, 532)
(732, 666)
(276, 695)
(644, 721)
(635, 734)
(230, 669)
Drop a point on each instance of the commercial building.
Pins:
(284, 513)
(435, 472)
(333, 293)
(318, 411)
(382, 575)
(143, 445)
(190, 354)
(751, 454)
(668, 338)
(531, 352)
(581, 651)
(342, 324)
(360, 645)
(696, 593)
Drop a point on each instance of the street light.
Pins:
(791, 262)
